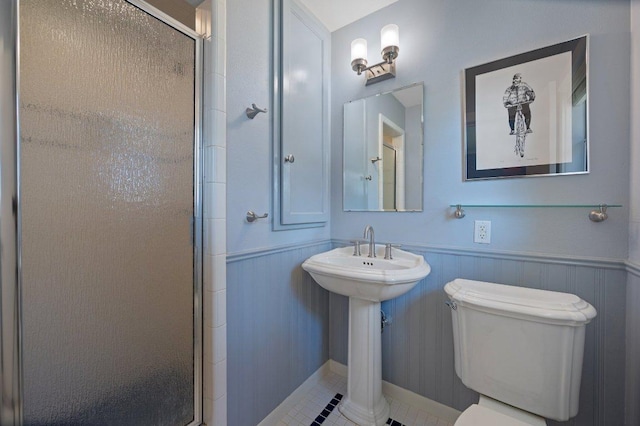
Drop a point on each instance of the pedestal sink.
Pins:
(366, 281)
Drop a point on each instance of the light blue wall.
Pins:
(438, 40)
(417, 348)
(277, 317)
(249, 152)
(633, 284)
(632, 407)
(277, 330)
(634, 222)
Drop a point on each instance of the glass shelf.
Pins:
(563, 206)
(598, 215)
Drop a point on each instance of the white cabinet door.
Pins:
(304, 147)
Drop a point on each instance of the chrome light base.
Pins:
(359, 65)
(380, 72)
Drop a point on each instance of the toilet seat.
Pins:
(477, 415)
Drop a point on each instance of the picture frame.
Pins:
(528, 114)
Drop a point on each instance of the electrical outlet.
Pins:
(482, 232)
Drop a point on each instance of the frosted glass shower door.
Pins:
(108, 198)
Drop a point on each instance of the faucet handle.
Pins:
(387, 250)
(356, 247)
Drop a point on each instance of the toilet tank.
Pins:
(520, 346)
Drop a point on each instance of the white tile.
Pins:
(220, 18)
(208, 411)
(219, 272)
(220, 236)
(219, 98)
(215, 164)
(219, 128)
(215, 128)
(215, 200)
(209, 91)
(207, 383)
(208, 272)
(219, 416)
(312, 404)
(215, 272)
(219, 53)
(219, 343)
(208, 308)
(219, 308)
(207, 127)
(219, 379)
(208, 163)
(215, 236)
(207, 345)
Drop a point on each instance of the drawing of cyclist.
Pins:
(518, 94)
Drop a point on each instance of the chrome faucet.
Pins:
(372, 244)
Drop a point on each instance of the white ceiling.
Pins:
(410, 96)
(335, 14)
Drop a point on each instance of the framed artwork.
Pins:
(527, 115)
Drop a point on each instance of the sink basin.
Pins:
(373, 279)
(367, 281)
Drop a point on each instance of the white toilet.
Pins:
(521, 349)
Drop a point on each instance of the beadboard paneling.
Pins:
(417, 349)
(632, 408)
(278, 330)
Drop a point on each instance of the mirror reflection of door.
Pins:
(392, 118)
(391, 178)
(388, 176)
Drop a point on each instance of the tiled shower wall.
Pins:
(211, 19)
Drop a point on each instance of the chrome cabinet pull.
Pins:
(289, 158)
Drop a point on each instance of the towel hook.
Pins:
(252, 217)
(254, 110)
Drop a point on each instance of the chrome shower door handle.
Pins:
(289, 158)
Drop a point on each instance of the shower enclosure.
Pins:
(100, 214)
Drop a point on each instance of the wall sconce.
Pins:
(390, 42)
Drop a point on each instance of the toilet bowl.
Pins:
(521, 349)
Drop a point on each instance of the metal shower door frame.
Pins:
(11, 412)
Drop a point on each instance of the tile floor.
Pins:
(316, 400)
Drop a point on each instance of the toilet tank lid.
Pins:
(533, 304)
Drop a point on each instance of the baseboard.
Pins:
(296, 396)
(405, 396)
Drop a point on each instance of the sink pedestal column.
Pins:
(364, 403)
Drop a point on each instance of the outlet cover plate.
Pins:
(482, 232)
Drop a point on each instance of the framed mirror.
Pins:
(383, 151)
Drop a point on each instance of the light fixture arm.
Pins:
(378, 72)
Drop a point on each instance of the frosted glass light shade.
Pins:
(359, 49)
(389, 36)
